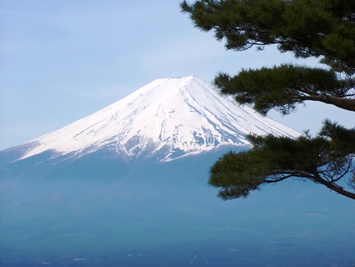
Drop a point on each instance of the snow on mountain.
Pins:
(172, 117)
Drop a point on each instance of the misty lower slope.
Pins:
(105, 212)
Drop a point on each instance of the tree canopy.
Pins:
(324, 29)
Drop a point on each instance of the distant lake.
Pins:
(96, 213)
(140, 222)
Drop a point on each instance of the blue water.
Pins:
(122, 222)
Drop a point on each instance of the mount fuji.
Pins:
(127, 186)
(168, 118)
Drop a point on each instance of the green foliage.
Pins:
(324, 159)
(274, 88)
(308, 28)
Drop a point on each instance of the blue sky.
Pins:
(63, 60)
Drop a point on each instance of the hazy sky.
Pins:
(62, 60)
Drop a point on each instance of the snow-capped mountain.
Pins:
(169, 117)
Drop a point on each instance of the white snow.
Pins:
(184, 114)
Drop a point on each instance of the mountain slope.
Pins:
(169, 118)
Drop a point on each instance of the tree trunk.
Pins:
(340, 102)
(340, 190)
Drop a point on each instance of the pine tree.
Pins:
(324, 29)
